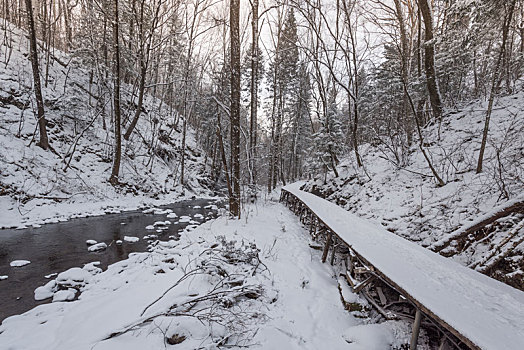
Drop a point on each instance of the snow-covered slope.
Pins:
(407, 201)
(37, 184)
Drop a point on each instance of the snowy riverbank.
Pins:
(253, 281)
(40, 211)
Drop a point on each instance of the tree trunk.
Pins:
(404, 57)
(254, 90)
(141, 89)
(44, 141)
(429, 59)
(116, 96)
(495, 83)
(234, 13)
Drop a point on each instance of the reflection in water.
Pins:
(57, 247)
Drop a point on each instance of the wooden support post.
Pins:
(332, 259)
(313, 225)
(326, 247)
(351, 263)
(316, 227)
(415, 331)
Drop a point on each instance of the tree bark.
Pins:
(234, 13)
(116, 96)
(429, 59)
(44, 141)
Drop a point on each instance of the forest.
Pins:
(406, 113)
(300, 85)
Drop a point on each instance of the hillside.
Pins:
(408, 202)
(72, 180)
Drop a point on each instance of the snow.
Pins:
(298, 307)
(54, 193)
(387, 335)
(479, 219)
(150, 227)
(405, 199)
(97, 247)
(91, 242)
(451, 291)
(184, 219)
(3, 277)
(162, 223)
(64, 295)
(19, 263)
(74, 277)
(131, 239)
(172, 216)
(45, 291)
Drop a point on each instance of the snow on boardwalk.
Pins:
(487, 312)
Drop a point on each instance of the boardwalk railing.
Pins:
(402, 280)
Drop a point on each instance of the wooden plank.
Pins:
(381, 296)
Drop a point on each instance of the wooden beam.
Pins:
(358, 288)
(416, 330)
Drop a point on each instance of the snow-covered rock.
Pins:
(45, 291)
(97, 247)
(3, 277)
(91, 242)
(64, 295)
(74, 277)
(185, 218)
(131, 239)
(19, 263)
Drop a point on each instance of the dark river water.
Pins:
(54, 248)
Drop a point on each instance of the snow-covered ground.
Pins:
(406, 201)
(38, 186)
(253, 281)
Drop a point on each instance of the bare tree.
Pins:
(254, 91)
(234, 19)
(495, 81)
(116, 100)
(44, 141)
(429, 59)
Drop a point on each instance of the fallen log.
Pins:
(515, 206)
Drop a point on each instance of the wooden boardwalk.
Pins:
(401, 279)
